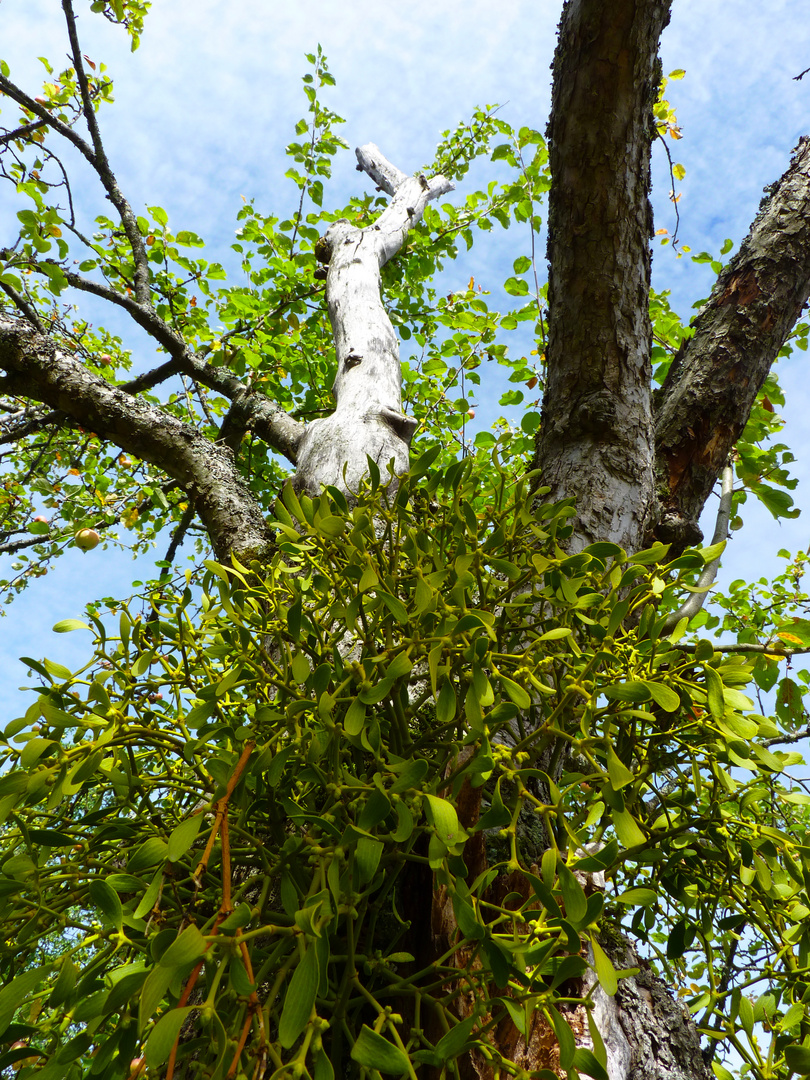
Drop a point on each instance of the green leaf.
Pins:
(151, 851)
(629, 691)
(445, 819)
(106, 899)
(620, 775)
(163, 1035)
(13, 995)
(446, 704)
(453, 1041)
(394, 605)
(405, 823)
(300, 998)
(238, 918)
(664, 696)
(746, 1013)
(149, 898)
(565, 1037)
(637, 897)
(515, 692)
(576, 903)
(188, 947)
(188, 239)
(355, 717)
(367, 858)
(64, 984)
(627, 828)
(183, 836)
(605, 971)
(714, 690)
(516, 286)
(239, 977)
(797, 1058)
(585, 1061)
(64, 626)
(373, 1051)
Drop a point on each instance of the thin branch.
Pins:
(781, 740)
(776, 651)
(270, 421)
(37, 368)
(22, 305)
(709, 573)
(672, 180)
(801, 75)
(13, 546)
(180, 531)
(21, 132)
(33, 425)
(16, 94)
(102, 166)
(152, 378)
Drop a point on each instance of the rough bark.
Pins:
(368, 421)
(37, 369)
(596, 440)
(713, 382)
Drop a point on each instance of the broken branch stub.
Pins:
(368, 421)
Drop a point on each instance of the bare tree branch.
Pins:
(39, 370)
(13, 91)
(21, 132)
(715, 377)
(102, 166)
(696, 601)
(368, 422)
(22, 305)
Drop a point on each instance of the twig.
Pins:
(22, 305)
(180, 532)
(696, 601)
(776, 651)
(780, 740)
(27, 129)
(672, 179)
(102, 166)
(220, 809)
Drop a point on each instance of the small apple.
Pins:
(41, 517)
(86, 539)
(105, 359)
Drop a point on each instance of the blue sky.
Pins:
(205, 107)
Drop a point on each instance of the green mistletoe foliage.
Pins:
(218, 833)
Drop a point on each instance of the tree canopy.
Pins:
(429, 766)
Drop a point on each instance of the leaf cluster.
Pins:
(221, 837)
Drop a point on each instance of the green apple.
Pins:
(86, 539)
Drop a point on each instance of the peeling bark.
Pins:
(37, 369)
(368, 421)
(713, 382)
(596, 442)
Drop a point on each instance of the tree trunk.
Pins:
(368, 422)
(595, 442)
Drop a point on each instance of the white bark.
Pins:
(368, 421)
